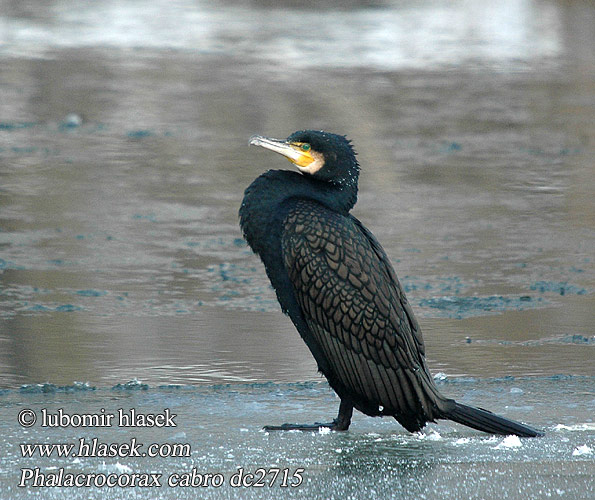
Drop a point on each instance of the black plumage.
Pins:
(337, 285)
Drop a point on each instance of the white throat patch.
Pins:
(315, 166)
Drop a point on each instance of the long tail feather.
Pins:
(487, 421)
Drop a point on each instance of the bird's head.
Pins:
(322, 155)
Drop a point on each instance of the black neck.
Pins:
(262, 209)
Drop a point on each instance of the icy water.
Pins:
(374, 459)
(123, 160)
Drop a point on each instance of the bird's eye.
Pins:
(305, 147)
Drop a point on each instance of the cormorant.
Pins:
(336, 283)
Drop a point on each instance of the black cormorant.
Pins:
(336, 283)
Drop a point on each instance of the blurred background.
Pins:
(123, 159)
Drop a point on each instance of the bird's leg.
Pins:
(343, 420)
(341, 423)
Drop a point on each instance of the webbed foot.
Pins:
(341, 423)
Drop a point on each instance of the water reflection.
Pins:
(120, 254)
(383, 35)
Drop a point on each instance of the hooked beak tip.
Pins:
(255, 140)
